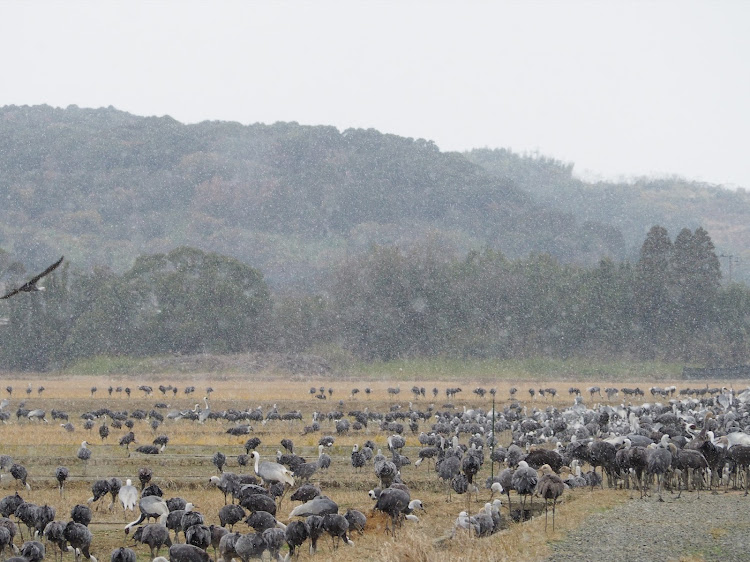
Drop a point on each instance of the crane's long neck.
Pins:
(257, 462)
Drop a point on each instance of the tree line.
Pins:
(391, 303)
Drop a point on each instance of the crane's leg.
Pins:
(554, 504)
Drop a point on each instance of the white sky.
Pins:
(620, 88)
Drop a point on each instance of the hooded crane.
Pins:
(18, 471)
(79, 538)
(337, 526)
(296, 533)
(61, 475)
(524, 482)
(122, 554)
(31, 285)
(274, 539)
(395, 503)
(187, 553)
(249, 546)
(54, 533)
(154, 535)
(84, 453)
(174, 519)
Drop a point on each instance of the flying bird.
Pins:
(31, 285)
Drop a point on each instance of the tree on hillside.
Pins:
(652, 291)
(695, 277)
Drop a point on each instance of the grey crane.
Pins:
(271, 472)
(320, 505)
(150, 506)
(37, 414)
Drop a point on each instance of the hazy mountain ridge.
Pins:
(633, 207)
(104, 186)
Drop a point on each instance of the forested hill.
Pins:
(632, 208)
(103, 187)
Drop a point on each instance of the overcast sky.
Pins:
(620, 89)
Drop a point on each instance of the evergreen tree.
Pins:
(652, 291)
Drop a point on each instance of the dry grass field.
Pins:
(185, 466)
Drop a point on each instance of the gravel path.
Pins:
(709, 527)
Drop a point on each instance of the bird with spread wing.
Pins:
(31, 285)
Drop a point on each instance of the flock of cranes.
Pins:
(681, 439)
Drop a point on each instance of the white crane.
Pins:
(272, 471)
(128, 495)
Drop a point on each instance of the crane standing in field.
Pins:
(550, 487)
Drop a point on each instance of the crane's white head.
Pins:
(416, 504)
